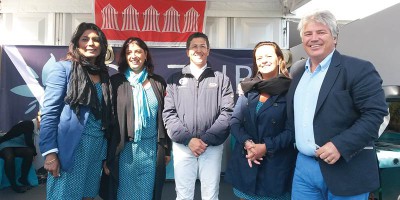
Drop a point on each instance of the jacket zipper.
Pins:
(196, 107)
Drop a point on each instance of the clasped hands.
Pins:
(255, 152)
(197, 146)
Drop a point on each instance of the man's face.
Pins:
(318, 41)
(198, 52)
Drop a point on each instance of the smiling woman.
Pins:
(77, 90)
(263, 157)
(89, 45)
(140, 149)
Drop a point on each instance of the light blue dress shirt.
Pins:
(305, 102)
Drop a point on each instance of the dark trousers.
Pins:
(9, 154)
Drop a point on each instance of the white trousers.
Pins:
(187, 168)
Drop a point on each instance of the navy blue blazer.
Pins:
(274, 175)
(350, 108)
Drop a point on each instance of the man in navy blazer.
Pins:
(335, 106)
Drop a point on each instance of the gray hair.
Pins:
(324, 17)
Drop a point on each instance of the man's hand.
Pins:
(197, 146)
(328, 153)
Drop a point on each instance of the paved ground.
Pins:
(39, 192)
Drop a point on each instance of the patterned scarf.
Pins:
(141, 106)
(81, 91)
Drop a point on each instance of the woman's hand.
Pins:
(52, 164)
(167, 159)
(105, 168)
(255, 152)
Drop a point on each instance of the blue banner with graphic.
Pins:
(24, 68)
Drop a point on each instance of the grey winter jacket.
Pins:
(198, 108)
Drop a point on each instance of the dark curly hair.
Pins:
(123, 64)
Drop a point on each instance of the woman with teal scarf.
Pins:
(139, 147)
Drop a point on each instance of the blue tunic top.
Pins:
(84, 178)
(138, 160)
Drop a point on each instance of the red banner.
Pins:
(151, 20)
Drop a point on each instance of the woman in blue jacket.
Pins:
(262, 162)
(76, 115)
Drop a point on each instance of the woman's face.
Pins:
(89, 45)
(135, 57)
(267, 61)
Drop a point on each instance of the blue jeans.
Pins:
(309, 184)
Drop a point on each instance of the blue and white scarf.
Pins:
(141, 106)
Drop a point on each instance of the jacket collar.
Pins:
(186, 69)
(208, 72)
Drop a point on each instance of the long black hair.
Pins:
(73, 50)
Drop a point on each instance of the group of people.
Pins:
(307, 134)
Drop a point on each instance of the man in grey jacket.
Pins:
(197, 110)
